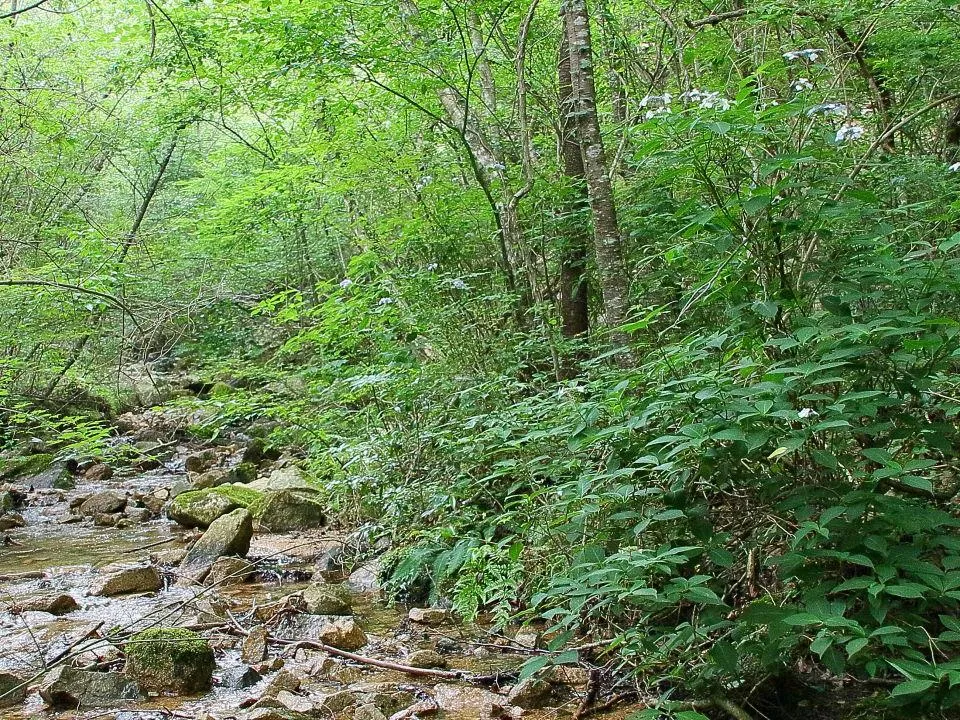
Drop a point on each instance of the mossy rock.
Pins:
(243, 473)
(199, 508)
(170, 660)
(25, 465)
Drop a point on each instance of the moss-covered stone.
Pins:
(243, 473)
(199, 508)
(23, 466)
(170, 660)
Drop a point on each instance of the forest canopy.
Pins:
(633, 320)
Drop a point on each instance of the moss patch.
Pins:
(242, 496)
(170, 660)
(25, 465)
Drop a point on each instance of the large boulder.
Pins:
(68, 687)
(170, 660)
(290, 509)
(199, 508)
(227, 535)
(123, 580)
(103, 503)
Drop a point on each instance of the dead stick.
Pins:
(593, 687)
(86, 636)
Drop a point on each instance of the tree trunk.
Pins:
(608, 244)
(574, 314)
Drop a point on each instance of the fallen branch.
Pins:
(715, 19)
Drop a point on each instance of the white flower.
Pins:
(955, 167)
(708, 99)
(832, 108)
(807, 413)
(801, 84)
(345, 283)
(458, 284)
(385, 301)
(849, 131)
(432, 266)
(423, 182)
(650, 114)
(810, 55)
(656, 101)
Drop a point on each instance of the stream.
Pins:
(58, 553)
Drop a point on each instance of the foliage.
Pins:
(761, 484)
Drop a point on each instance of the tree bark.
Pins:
(574, 312)
(608, 244)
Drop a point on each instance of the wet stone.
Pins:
(11, 520)
(170, 660)
(98, 473)
(531, 693)
(200, 461)
(69, 687)
(230, 571)
(228, 535)
(327, 600)
(13, 689)
(239, 677)
(426, 659)
(431, 617)
(283, 680)
(254, 649)
(126, 580)
(51, 603)
(368, 712)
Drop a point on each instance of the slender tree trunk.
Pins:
(608, 244)
(574, 313)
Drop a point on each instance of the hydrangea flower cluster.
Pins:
(707, 99)
(849, 132)
(807, 55)
(801, 84)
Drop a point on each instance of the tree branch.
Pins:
(13, 13)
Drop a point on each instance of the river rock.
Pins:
(239, 677)
(11, 520)
(98, 473)
(327, 600)
(138, 514)
(531, 693)
(54, 604)
(211, 478)
(243, 473)
(170, 660)
(291, 509)
(297, 703)
(283, 681)
(230, 571)
(339, 632)
(7, 501)
(200, 508)
(431, 617)
(254, 648)
(368, 712)
(254, 451)
(365, 579)
(118, 520)
(228, 535)
(200, 461)
(13, 689)
(285, 478)
(68, 687)
(426, 659)
(123, 580)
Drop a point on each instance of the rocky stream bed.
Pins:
(249, 606)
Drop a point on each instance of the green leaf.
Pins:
(912, 687)
(856, 645)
